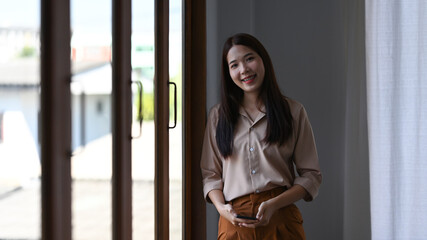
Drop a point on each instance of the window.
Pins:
(66, 214)
(19, 106)
(1, 127)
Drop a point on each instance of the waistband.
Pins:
(262, 195)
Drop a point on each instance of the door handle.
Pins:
(174, 106)
(140, 109)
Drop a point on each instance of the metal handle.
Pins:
(140, 113)
(174, 106)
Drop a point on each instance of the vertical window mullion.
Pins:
(194, 116)
(161, 178)
(55, 119)
(122, 120)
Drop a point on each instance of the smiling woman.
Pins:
(253, 140)
(246, 69)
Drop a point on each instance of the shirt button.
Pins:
(253, 171)
(257, 191)
(251, 149)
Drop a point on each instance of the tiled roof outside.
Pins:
(26, 71)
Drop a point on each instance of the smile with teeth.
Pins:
(249, 79)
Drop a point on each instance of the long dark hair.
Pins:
(279, 118)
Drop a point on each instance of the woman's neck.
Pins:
(252, 105)
(251, 101)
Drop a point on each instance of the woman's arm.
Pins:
(269, 207)
(226, 210)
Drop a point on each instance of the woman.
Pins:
(253, 140)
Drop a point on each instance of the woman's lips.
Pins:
(249, 79)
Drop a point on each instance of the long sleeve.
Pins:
(211, 164)
(305, 156)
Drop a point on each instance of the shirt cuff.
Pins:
(310, 185)
(209, 186)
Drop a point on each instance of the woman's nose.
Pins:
(243, 68)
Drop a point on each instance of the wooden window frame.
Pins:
(194, 117)
(122, 120)
(161, 119)
(55, 121)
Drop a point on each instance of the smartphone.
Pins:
(246, 217)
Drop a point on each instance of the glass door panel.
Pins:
(175, 134)
(20, 166)
(91, 162)
(142, 57)
(143, 147)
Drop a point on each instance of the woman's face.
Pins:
(246, 68)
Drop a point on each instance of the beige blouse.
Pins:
(256, 166)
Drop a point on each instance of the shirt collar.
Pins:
(260, 116)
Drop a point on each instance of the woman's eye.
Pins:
(250, 59)
(233, 66)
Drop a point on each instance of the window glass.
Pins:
(20, 166)
(175, 135)
(91, 162)
(143, 141)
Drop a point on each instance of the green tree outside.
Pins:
(148, 101)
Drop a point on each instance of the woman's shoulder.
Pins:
(294, 106)
(214, 113)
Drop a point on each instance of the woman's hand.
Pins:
(265, 212)
(267, 208)
(226, 210)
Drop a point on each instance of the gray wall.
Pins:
(316, 48)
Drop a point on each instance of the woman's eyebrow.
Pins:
(248, 54)
(232, 61)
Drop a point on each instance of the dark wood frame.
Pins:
(194, 117)
(122, 120)
(55, 119)
(161, 119)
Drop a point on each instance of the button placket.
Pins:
(253, 159)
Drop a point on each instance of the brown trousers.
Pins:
(286, 223)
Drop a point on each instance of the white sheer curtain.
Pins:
(396, 53)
